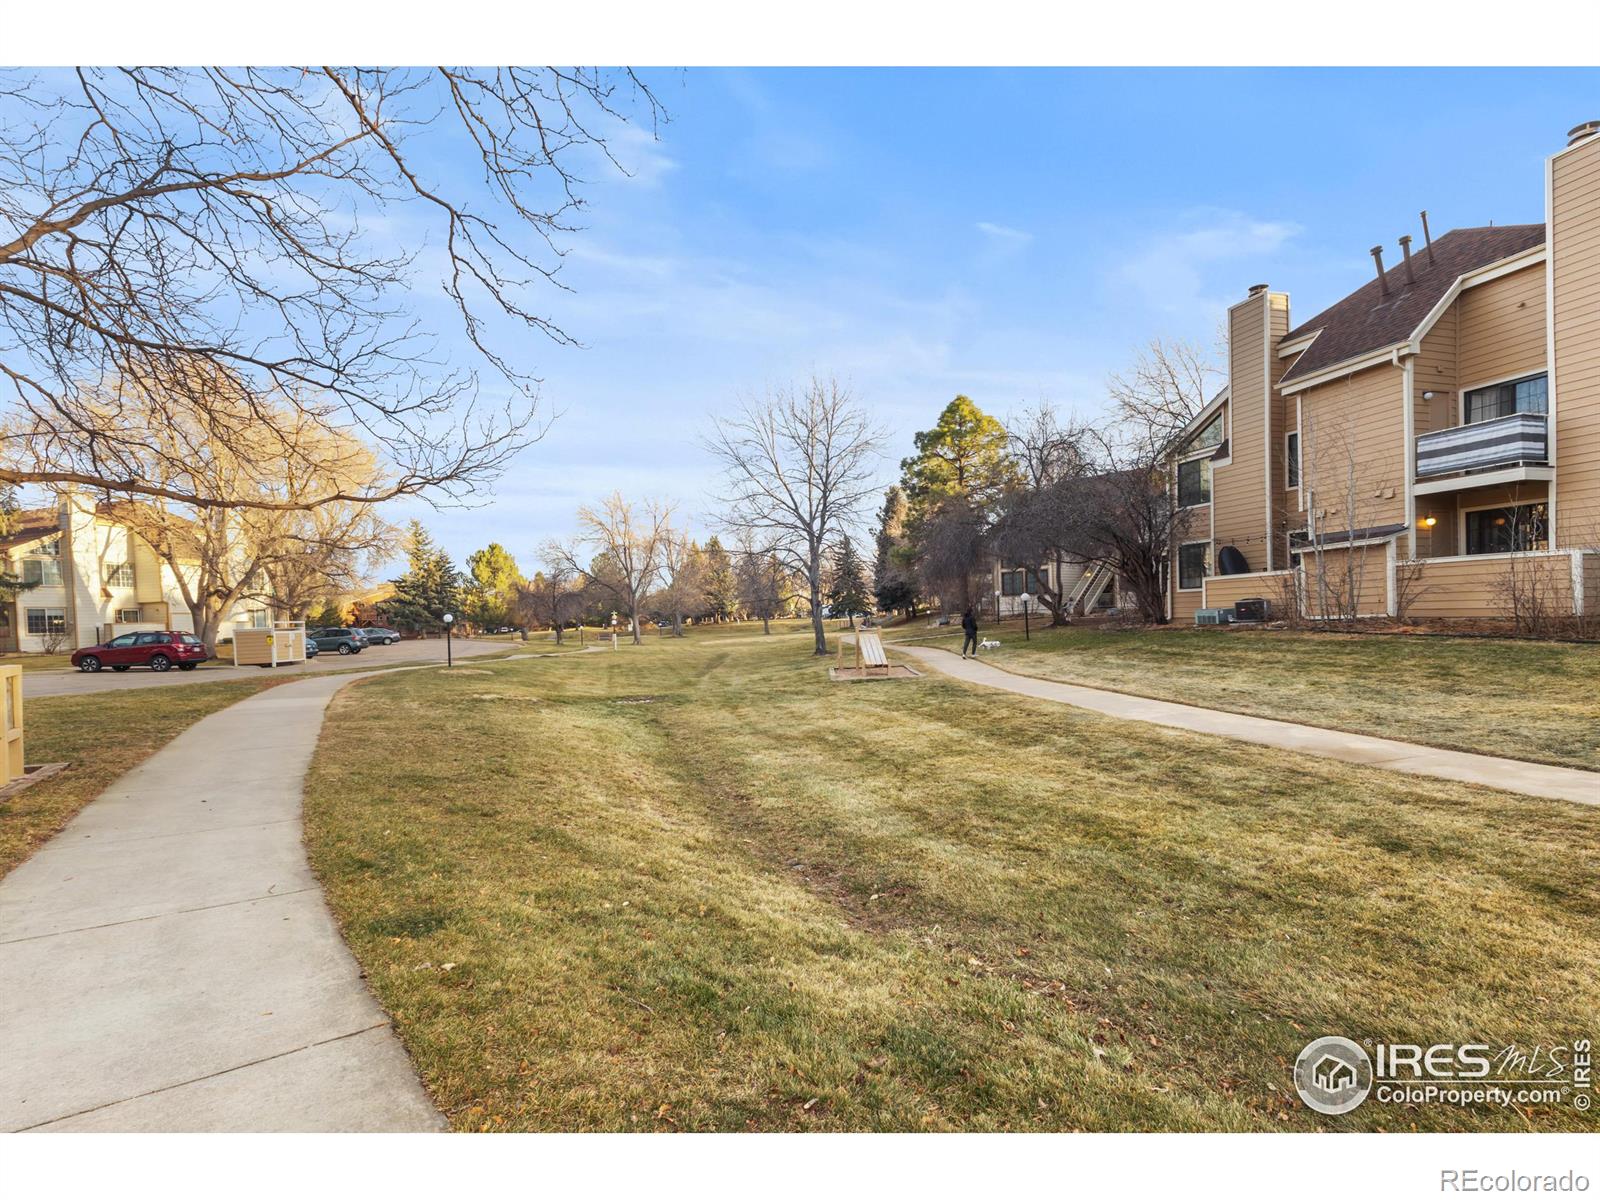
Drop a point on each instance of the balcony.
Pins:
(1506, 447)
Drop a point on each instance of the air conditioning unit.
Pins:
(1253, 609)
(1214, 616)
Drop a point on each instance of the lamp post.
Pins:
(449, 622)
(1027, 635)
(997, 607)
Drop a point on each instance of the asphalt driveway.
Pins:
(68, 682)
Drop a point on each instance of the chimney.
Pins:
(1377, 257)
(1405, 248)
(1427, 237)
(1578, 132)
(1257, 289)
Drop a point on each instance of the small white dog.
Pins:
(989, 644)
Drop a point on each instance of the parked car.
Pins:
(158, 651)
(311, 646)
(380, 637)
(345, 641)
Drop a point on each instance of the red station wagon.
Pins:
(158, 651)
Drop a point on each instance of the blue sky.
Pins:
(1010, 234)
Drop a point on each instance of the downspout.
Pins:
(1409, 391)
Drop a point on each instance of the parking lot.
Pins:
(70, 682)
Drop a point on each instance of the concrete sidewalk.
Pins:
(167, 961)
(1511, 775)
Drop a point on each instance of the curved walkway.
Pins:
(1507, 774)
(167, 961)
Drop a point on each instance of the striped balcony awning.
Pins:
(1505, 441)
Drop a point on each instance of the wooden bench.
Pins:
(869, 649)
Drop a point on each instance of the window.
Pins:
(119, 643)
(1291, 460)
(189, 639)
(1210, 436)
(1021, 579)
(1528, 395)
(42, 571)
(149, 639)
(127, 616)
(1500, 530)
(120, 575)
(1192, 565)
(1194, 482)
(46, 621)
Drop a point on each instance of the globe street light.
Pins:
(1027, 636)
(449, 620)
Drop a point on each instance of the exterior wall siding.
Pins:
(1223, 591)
(1332, 576)
(1238, 490)
(1477, 586)
(1501, 329)
(1574, 241)
(1435, 370)
(1282, 409)
(1353, 449)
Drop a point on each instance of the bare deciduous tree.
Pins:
(798, 471)
(628, 544)
(1169, 383)
(683, 578)
(222, 554)
(327, 553)
(762, 581)
(1033, 527)
(552, 597)
(173, 232)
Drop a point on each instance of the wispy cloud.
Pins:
(641, 156)
(1004, 235)
(1194, 265)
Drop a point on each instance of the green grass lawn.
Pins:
(697, 886)
(102, 736)
(1538, 701)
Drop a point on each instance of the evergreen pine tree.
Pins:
(850, 594)
(430, 587)
(720, 583)
(892, 578)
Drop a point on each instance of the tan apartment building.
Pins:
(90, 577)
(1085, 587)
(1427, 446)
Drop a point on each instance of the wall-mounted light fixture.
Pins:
(1427, 395)
(1429, 522)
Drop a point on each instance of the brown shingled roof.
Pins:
(1366, 320)
(29, 525)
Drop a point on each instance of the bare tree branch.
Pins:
(170, 231)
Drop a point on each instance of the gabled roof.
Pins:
(1196, 423)
(150, 522)
(30, 525)
(1366, 320)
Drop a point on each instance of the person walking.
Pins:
(969, 628)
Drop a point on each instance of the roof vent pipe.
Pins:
(1578, 132)
(1427, 237)
(1257, 288)
(1405, 248)
(1377, 257)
